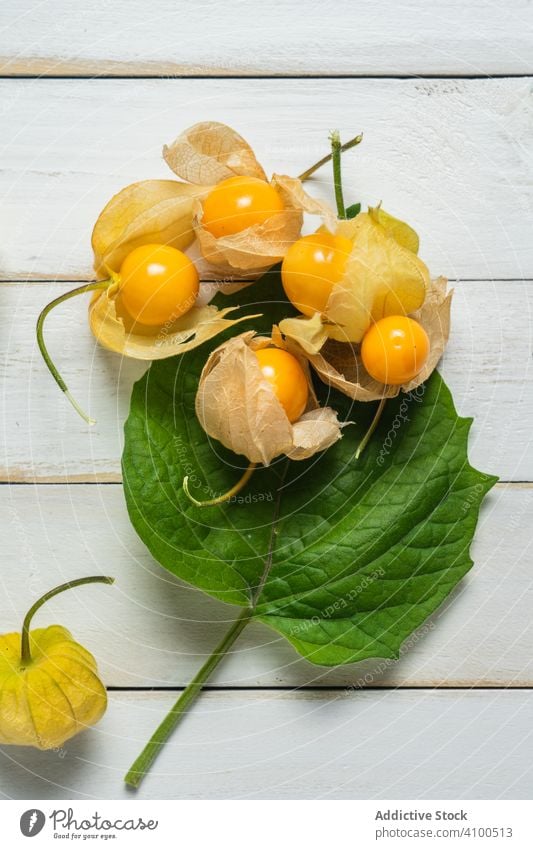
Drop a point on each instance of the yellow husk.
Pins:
(58, 695)
(152, 211)
(399, 230)
(162, 211)
(310, 333)
(238, 407)
(339, 364)
(184, 334)
(381, 278)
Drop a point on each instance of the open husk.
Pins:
(339, 364)
(210, 152)
(161, 211)
(152, 211)
(382, 277)
(238, 407)
(115, 332)
(169, 211)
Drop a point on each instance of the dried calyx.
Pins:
(142, 320)
(243, 222)
(373, 324)
(339, 364)
(258, 413)
(148, 310)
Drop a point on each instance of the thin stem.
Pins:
(89, 287)
(25, 653)
(143, 763)
(336, 149)
(373, 425)
(227, 495)
(325, 159)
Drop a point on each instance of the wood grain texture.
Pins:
(452, 156)
(487, 365)
(279, 37)
(151, 630)
(402, 745)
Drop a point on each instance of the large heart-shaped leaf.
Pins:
(345, 558)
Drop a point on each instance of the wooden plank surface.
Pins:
(279, 37)
(150, 630)
(308, 745)
(451, 156)
(487, 365)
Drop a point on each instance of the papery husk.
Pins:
(151, 211)
(339, 364)
(395, 227)
(311, 333)
(381, 278)
(57, 695)
(257, 248)
(162, 211)
(187, 332)
(210, 152)
(238, 407)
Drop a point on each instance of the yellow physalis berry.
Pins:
(287, 378)
(395, 349)
(310, 269)
(158, 284)
(238, 203)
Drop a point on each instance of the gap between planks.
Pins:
(328, 688)
(219, 74)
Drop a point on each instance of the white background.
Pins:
(209, 823)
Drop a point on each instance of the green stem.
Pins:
(325, 159)
(227, 495)
(143, 763)
(25, 653)
(336, 150)
(89, 287)
(373, 425)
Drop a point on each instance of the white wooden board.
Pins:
(278, 37)
(270, 745)
(150, 630)
(452, 156)
(487, 364)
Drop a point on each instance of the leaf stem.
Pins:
(373, 425)
(325, 159)
(89, 287)
(336, 149)
(227, 495)
(25, 652)
(143, 763)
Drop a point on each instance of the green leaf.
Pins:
(352, 211)
(343, 558)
